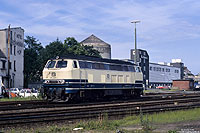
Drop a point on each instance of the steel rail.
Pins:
(19, 105)
(95, 110)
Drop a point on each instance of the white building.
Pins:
(2, 68)
(16, 75)
(162, 74)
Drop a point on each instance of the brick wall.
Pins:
(183, 85)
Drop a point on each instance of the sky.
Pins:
(169, 29)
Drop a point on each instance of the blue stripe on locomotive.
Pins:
(94, 85)
(70, 91)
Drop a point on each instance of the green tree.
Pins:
(90, 51)
(32, 62)
(54, 49)
(74, 47)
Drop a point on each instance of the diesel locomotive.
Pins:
(80, 77)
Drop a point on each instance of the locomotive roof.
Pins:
(92, 58)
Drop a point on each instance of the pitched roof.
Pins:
(2, 55)
(94, 39)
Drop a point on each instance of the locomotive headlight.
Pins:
(46, 81)
(61, 81)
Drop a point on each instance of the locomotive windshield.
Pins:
(61, 64)
(50, 64)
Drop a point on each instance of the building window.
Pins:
(163, 69)
(14, 65)
(10, 48)
(158, 69)
(150, 68)
(167, 70)
(176, 71)
(10, 65)
(3, 64)
(11, 35)
(14, 50)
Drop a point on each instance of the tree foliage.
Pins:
(36, 56)
(32, 52)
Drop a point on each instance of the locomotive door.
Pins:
(83, 78)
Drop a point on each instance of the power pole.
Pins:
(135, 46)
(8, 56)
(135, 59)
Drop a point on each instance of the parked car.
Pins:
(163, 87)
(15, 90)
(28, 93)
(35, 93)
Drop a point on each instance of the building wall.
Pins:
(178, 63)
(3, 71)
(16, 55)
(3, 40)
(105, 50)
(162, 75)
(183, 84)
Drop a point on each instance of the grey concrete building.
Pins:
(103, 47)
(15, 74)
(143, 61)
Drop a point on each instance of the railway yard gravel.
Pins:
(181, 127)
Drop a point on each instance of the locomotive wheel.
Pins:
(67, 99)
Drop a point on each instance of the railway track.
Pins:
(88, 111)
(35, 104)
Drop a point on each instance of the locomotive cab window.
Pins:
(51, 64)
(82, 64)
(61, 64)
(125, 68)
(88, 65)
(75, 64)
(107, 66)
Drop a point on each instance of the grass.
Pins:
(103, 124)
(157, 90)
(19, 99)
